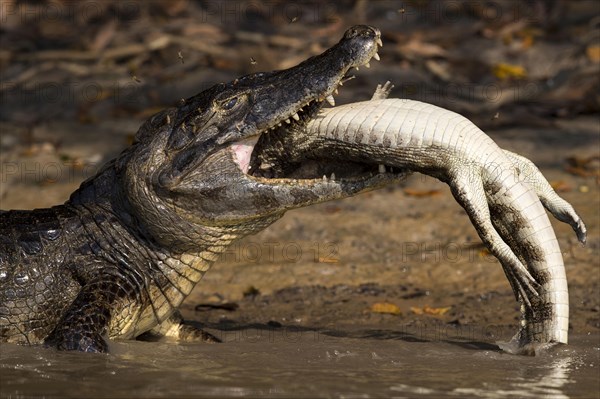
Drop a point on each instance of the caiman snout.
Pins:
(371, 35)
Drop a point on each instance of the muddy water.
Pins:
(252, 363)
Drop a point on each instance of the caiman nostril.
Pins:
(359, 30)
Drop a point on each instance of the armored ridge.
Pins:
(122, 254)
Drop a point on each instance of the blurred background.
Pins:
(98, 68)
(77, 78)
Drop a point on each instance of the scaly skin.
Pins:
(499, 190)
(122, 254)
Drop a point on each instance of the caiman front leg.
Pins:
(85, 323)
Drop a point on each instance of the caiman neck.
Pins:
(164, 227)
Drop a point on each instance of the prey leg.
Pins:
(382, 92)
(469, 192)
(560, 208)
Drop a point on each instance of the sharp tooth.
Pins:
(356, 68)
(324, 178)
(336, 91)
(381, 168)
(341, 83)
(288, 121)
(376, 56)
(332, 177)
(379, 42)
(296, 117)
(368, 65)
(279, 124)
(330, 100)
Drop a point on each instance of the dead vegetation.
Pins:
(540, 58)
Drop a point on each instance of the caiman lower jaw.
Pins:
(312, 172)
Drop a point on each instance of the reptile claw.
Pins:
(470, 194)
(382, 91)
(581, 232)
(559, 208)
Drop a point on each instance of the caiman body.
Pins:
(121, 255)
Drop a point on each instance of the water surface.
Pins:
(280, 364)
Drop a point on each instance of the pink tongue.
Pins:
(242, 151)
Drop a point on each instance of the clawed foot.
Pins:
(504, 202)
(382, 91)
(469, 191)
(189, 333)
(175, 328)
(73, 340)
(560, 208)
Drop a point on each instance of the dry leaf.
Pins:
(104, 35)
(332, 209)
(429, 310)
(527, 41)
(593, 53)
(421, 193)
(508, 71)
(484, 253)
(584, 189)
(328, 260)
(436, 311)
(385, 307)
(418, 48)
(416, 310)
(561, 186)
(585, 167)
(578, 171)
(439, 69)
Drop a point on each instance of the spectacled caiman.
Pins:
(120, 256)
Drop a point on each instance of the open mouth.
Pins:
(265, 157)
(244, 153)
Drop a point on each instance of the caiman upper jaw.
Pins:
(232, 116)
(358, 46)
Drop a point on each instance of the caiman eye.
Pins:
(229, 104)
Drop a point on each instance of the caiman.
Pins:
(120, 256)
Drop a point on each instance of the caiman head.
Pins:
(203, 162)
